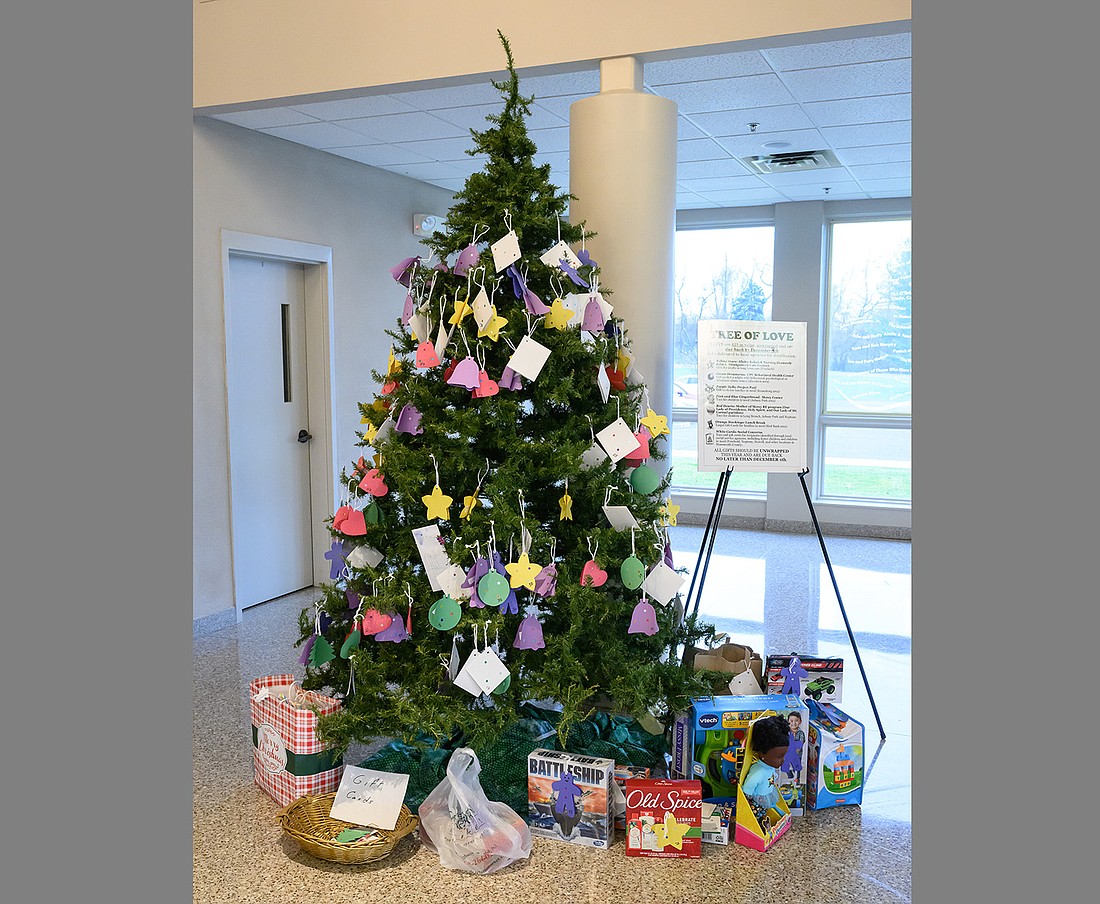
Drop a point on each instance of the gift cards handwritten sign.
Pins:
(369, 798)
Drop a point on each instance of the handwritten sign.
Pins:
(369, 798)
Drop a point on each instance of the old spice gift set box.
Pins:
(664, 817)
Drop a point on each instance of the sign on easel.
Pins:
(752, 395)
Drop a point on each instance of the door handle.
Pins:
(304, 436)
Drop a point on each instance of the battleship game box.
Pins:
(569, 797)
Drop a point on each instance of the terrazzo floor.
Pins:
(769, 590)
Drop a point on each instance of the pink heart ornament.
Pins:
(374, 483)
(354, 525)
(592, 575)
(486, 386)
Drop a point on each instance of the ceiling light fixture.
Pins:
(775, 145)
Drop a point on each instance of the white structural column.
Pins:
(622, 169)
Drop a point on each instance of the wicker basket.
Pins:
(307, 821)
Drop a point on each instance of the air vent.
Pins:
(793, 162)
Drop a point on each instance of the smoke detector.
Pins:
(790, 162)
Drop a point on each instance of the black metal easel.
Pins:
(702, 563)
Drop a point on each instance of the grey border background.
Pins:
(95, 364)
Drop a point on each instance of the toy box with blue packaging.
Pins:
(819, 678)
(569, 797)
(834, 758)
(758, 826)
(708, 743)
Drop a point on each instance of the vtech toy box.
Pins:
(708, 744)
(569, 797)
(835, 758)
(664, 818)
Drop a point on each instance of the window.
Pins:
(866, 410)
(721, 274)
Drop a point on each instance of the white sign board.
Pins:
(369, 798)
(752, 395)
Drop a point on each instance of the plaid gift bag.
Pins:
(288, 761)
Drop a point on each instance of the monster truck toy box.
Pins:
(834, 758)
(708, 744)
(823, 680)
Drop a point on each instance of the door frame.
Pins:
(320, 379)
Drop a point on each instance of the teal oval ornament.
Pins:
(632, 571)
(492, 589)
(644, 479)
(444, 614)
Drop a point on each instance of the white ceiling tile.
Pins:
(446, 149)
(699, 149)
(889, 193)
(865, 135)
(323, 135)
(475, 117)
(744, 197)
(753, 144)
(354, 107)
(562, 83)
(832, 176)
(857, 80)
(703, 186)
(881, 153)
(686, 130)
(381, 155)
(425, 171)
(692, 202)
(470, 165)
(454, 96)
(838, 53)
(559, 106)
(816, 192)
(727, 94)
(857, 110)
(882, 171)
(450, 184)
(265, 119)
(784, 118)
(893, 188)
(559, 160)
(396, 127)
(549, 140)
(707, 169)
(702, 68)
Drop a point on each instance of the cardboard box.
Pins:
(569, 797)
(664, 818)
(823, 682)
(835, 758)
(757, 828)
(618, 790)
(708, 744)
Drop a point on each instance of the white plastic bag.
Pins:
(467, 830)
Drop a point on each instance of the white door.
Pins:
(268, 421)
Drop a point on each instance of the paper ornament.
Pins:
(450, 581)
(668, 512)
(408, 310)
(510, 380)
(336, 556)
(592, 575)
(644, 480)
(402, 272)
(462, 311)
(438, 504)
(632, 572)
(444, 614)
(469, 503)
(418, 326)
(519, 284)
(558, 316)
(493, 589)
(395, 633)
(408, 421)
(307, 648)
(593, 457)
(353, 525)
(351, 642)
(372, 514)
(374, 621)
(388, 387)
(466, 374)
(644, 619)
(671, 833)
(593, 320)
(663, 583)
(546, 582)
(571, 271)
(321, 652)
(374, 483)
(529, 358)
(510, 606)
(641, 453)
(657, 424)
(566, 505)
(585, 258)
(505, 250)
(467, 258)
(486, 386)
(426, 355)
(617, 439)
(364, 556)
(603, 381)
(442, 266)
(529, 634)
(492, 328)
(620, 517)
(394, 365)
(522, 572)
(353, 599)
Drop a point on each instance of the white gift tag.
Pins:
(453, 663)
(465, 677)
(383, 432)
(620, 516)
(483, 310)
(450, 582)
(593, 456)
(634, 376)
(441, 340)
(662, 583)
(572, 302)
(529, 358)
(604, 382)
(745, 684)
(588, 339)
(432, 553)
(605, 306)
(617, 439)
(362, 556)
(418, 324)
(505, 250)
(487, 670)
(552, 257)
(367, 797)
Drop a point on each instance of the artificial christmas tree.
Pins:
(504, 538)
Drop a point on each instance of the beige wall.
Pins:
(253, 50)
(248, 182)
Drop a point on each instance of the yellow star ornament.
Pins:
(394, 366)
(566, 504)
(669, 511)
(622, 361)
(492, 329)
(370, 433)
(439, 505)
(468, 506)
(523, 572)
(671, 833)
(462, 310)
(558, 316)
(655, 423)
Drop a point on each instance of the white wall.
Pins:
(248, 182)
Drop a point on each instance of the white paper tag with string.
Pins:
(554, 255)
(621, 517)
(363, 556)
(529, 357)
(617, 439)
(450, 582)
(663, 583)
(432, 553)
(505, 250)
(383, 432)
(604, 382)
(572, 302)
(487, 669)
(482, 308)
